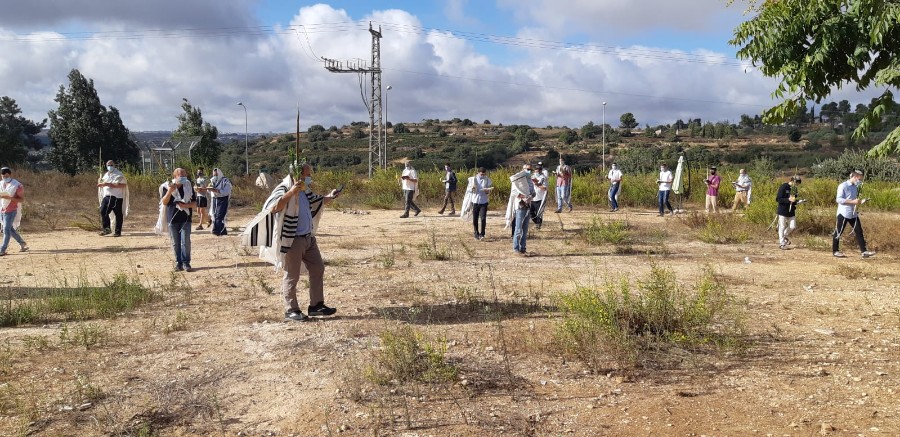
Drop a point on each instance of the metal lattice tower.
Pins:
(377, 148)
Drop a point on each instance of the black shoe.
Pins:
(405, 215)
(179, 267)
(106, 231)
(295, 316)
(117, 234)
(188, 268)
(558, 211)
(320, 309)
(570, 208)
(441, 212)
(417, 213)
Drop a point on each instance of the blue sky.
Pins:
(659, 59)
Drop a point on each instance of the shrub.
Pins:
(633, 324)
(407, 356)
(610, 232)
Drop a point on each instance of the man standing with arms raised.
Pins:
(112, 189)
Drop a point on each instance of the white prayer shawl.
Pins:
(115, 177)
(469, 197)
(265, 181)
(223, 184)
(512, 205)
(273, 232)
(162, 222)
(11, 189)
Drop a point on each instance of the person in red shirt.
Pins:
(11, 194)
(712, 190)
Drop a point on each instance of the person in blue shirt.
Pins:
(848, 202)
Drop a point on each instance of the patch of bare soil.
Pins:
(214, 356)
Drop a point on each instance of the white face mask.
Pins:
(6, 179)
(307, 181)
(110, 167)
(662, 169)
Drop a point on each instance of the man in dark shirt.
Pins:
(179, 199)
(787, 209)
(450, 182)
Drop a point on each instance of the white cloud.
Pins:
(433, 76)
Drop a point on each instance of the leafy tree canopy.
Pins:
(16, 133)
(83, 133)
(814, 47)
(191, 124)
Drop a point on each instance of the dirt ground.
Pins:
(216, 358)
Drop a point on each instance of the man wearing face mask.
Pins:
(517, 211)
(742, 187)
(11, 194)
(615, 182)
(480, 188)
(538, 204)
(712, 190)
(450, 183)
(665, 187)
(220, 188)
(409, 181)
(847, 214)
(179, 199)
(112, 192)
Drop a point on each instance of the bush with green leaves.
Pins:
(649, 322)
(874, 168)
(407, 355)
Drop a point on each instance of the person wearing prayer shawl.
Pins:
(519, 206)
(220, 188)
(11, 195)
(179, 199)
(112, 192)
(285, 232)
(539, 203)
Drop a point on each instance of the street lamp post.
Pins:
(604, 136)
(246, 140)
(384, 156)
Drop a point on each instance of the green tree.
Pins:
(627, 121)
(16, 133)
(81, 127)
(815, 47)
(588, 131)
(568, 136)
(191, 124)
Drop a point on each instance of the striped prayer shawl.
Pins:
(263, 230)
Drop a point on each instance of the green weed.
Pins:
(599, 232)
(407, 356)
(631, 325)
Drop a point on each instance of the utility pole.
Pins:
(604, 137)
(377, 149)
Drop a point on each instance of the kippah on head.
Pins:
(5, 170)
(856, 172)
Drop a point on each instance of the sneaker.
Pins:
(672, 213)
(179, 267)
(787, 241)
(570, 208)
(558, 211)
(188, 268)
(295, 316)
(405, 215)
(117, 234)
(783, 247)
(839, 254)
(417, 213)
(320, 309)
(453, 212)
(868, 254)
(106, 231)
(441, 212)
(199, 228)
(24, 248)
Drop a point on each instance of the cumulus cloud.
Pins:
(433, 74)
(598, 17)
(149, 14)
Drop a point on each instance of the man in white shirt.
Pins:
(615, 181)
(113, 195)
(409, 181)
(481, 189)
(741, 190)
(539, 180)
(665, 187)
(848, 202)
